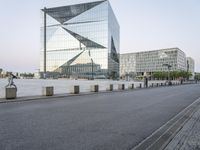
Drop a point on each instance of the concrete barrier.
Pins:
(10, 93)
(94, 88)
(140, 85)
(75, 89)
(121, 87)
(152, 84)
(131, 86)
(110, 88)
(48, 91)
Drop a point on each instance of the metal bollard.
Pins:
(75, 89)
(110, 88)
(152, 85)
(140, 85)
(94, 88)
(48, 91)
(131, 86)
(157, 84)
(121, 87)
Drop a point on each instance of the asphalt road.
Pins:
(109, 121)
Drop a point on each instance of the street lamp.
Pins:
(45, 41)
(92, 69)
(169, 67)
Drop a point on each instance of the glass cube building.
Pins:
(81, 40)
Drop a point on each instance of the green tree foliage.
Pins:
(173, 75)
(197, 77)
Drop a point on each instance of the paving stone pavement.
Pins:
(188, 138)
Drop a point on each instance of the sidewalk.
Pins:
(188, 138)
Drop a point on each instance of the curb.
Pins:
(31, 98)
(159, 139)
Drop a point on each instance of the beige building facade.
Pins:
(147, 62)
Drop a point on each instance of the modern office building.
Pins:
(80, 40)
(147, 62)
(191, 66)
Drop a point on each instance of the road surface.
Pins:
(106, 121)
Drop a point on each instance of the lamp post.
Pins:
(169, 67)
(92, 69)
(45, 46)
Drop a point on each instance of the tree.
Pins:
(173, 75)
(197, 77)
(160, 75)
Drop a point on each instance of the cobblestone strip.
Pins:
(188, 137)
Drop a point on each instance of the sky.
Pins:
(144, 25)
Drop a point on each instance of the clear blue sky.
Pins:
(145, 25)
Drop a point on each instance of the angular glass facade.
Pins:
(81, 40)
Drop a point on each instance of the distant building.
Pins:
(191, 66)
(1, 75)
(38, 75)
(81, 39)
(148, 62)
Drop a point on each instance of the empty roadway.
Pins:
(106, 121)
